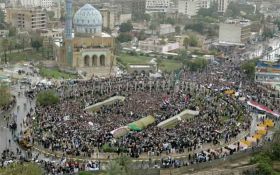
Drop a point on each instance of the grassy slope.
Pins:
(56, 74)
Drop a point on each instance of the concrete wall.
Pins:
(199, 167)
(230, 33)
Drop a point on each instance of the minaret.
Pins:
(68, 33)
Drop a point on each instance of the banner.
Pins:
(262, 108)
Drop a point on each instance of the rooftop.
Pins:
(242, 22)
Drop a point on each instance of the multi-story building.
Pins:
(138, 8)
(32, 3)
(235, 32)
(205, 4)
(111, 17)
(272, 50)
(135, 8)
(268, 73)
(27, 19)
(188, 7)
(153, 6)
(29, 3)
(223, 5)
(46, 3)
(108, 17)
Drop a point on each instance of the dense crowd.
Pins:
(65, 127)
(70, 129)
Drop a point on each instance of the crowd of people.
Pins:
(65, 127)
(73, 131)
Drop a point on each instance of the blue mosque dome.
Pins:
(87, 20)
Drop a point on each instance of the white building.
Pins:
(166, 29)
(53, 33)
(153, 6)
(37, 3)
(155, 45)
(46, 3)
(205, 4)
(272, 50)
(30, 3)
(268, 73)
(188, 7)
(223, 5)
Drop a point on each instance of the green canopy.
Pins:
(142, 123)
(134, 127)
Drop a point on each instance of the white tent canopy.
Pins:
(186, 114)
(109, 101)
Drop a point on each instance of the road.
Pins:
(18, 114)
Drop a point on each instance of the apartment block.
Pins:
(27, 19)
(153, 6)
(188, 7)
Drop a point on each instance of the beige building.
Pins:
(27, 19)
(235, 32)
(188, 7)
(111, 17)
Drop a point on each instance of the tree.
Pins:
(277, 22)
(269, 153)
(11, 44)
(12, 31)
(48, 97)
(183, 55)
(209, 12)
(196, 64)
(235, 10)
(139, 16)
(268, 33)
(142, 35)
(2, 18)
(170, 21)
(178, 30)
(124, 37)
(193, 41)
(147, 17)
(126, 27)
(36, 43)
(197, 27)
(249, 68)
(153, 26)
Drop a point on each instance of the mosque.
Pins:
(84, 46)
